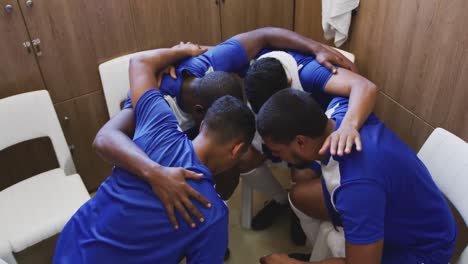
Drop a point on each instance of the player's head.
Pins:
(211, 87)
(230, 126)
(264, 78)
(293, 126)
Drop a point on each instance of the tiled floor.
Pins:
(248, 246)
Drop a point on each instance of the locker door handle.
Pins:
(29, 3)
(8, 9)
(36, 45)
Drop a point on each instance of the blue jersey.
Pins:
(386, 192)
(125, 222)
(230, 56)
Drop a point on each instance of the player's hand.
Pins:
(171, 70)
(191, 48)
(277, 259)
(174, 192)
(341, 141)
(329, 57)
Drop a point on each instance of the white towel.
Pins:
(289, 65)
(336, 19)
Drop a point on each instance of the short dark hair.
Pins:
(229, 118)
(264, 78)
(289, 113)
(215, 85)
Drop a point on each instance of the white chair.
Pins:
(446, 157)
(36, 208)
(115, 82)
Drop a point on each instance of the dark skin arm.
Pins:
(113, 143)
(362, 95)
(256, 40)
(355, 254)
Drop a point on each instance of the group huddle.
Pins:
(186, 134)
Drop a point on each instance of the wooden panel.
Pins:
(19, 71)
(417, 52)
(411, 129)
(308, 20)
(26, 159)
(111, 26)
(164, 23)
(74, 35)
(243, 15)
(81, 118)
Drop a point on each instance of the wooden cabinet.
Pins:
(163, 23)
(70, 37)
(19, 72)
(81, 118)
(308, 20)
(67, 41)
(243, 15)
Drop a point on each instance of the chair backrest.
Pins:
(446, 157)
(32, 115)
(115, 82)
(348, 55)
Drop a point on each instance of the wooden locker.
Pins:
(164, 23)
(239, 16)
(81, 118)
(19, 72)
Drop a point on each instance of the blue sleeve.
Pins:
(314, 77)
(207, 249)
(229, 56)
(128, 102)
(361, 205)
(153, 115)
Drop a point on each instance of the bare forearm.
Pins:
(362, 99)
(120, 150)
(142, 69)
(286, 39)
(276, 38)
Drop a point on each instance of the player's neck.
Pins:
(186, 92)
(203, 149)
(330, 128)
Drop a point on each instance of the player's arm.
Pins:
(144, 66)
(256, 40)
(113, 144)
(362, 95)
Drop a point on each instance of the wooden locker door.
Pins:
(308, 20)
(164, 23)
(243, 15)
(81, 118)
(74, 37)
(19, 72)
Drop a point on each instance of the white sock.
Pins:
(261, 179)
(309, 225)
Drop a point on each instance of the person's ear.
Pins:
(198, 112)
(238, 150)
(289, 82)
(300, 141)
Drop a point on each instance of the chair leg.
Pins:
(246, 205)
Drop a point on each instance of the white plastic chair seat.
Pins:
(39, 207)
